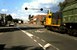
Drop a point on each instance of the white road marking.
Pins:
(48, 45)
(30, 35)
(37, 37)
(40, 45)
(43, 40)
(35, 40)
(40, 31)
(44, 47)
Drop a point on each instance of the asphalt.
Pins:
(35, 37)
(17, 40)
(57, 40)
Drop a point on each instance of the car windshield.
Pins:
(38, 25)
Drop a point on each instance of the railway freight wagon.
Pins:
(70, 18)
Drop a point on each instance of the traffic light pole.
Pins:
(49, 12)
(26, 8)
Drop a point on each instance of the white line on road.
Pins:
(35, 40)
(43, 40)
(48, 45)
(37, 37)
(40, 45)
(45, 46)
(30, 35)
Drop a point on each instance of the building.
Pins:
(2, 19)
(38, 19)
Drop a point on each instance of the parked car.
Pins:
(12, 24)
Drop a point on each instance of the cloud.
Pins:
(47, 1)
(20, 15)
(13, 14)
(41, 4)
(23, 14)
(4, 10)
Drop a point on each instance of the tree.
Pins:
(32, 16)
(17, 20)
(9, 18)
(62, 5)
(29, 17)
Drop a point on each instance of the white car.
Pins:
(12, 24)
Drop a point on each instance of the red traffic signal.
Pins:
(41, 9)
(26, 8)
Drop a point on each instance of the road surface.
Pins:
(28, 37)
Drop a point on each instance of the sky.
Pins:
(17, 7)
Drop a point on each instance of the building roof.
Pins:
(39, 17)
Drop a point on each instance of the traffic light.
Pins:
(26, 8)
(41, 9)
